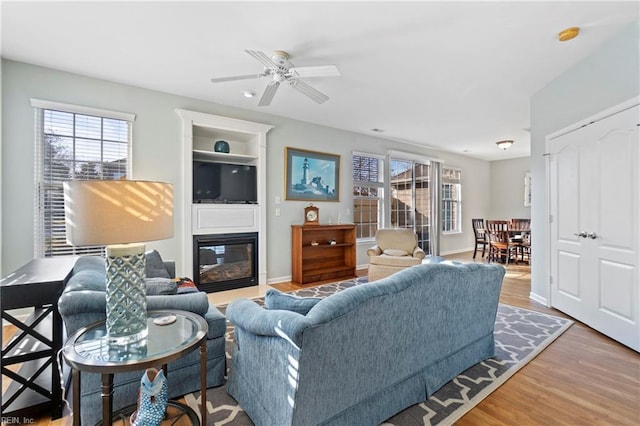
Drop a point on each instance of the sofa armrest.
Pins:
(374, 251)
(82, 302)
(251, 317)
(216, 321)
(197, 303)
(418, 253)
(88, 301)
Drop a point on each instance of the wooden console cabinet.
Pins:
(324, 261)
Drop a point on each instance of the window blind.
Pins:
(69, 146)
(368, 184)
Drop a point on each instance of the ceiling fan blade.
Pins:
(269, 93)
(317, 71)
(236, 77)
(314, 94)
(263, 59)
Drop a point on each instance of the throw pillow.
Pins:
(395, 252)
(276, 300)
(154, 266)
(185, 285)
(160, 286)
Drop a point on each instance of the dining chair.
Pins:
(500, 244)
(480, 236)
(522, 228)
(520, 224)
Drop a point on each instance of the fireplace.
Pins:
(225, 261)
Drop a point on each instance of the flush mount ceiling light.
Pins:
(568, 34)
(504, 145)
(248, 93)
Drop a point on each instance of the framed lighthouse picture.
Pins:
(312, 175)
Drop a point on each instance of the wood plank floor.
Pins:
(583, 378)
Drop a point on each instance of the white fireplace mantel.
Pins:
(248, 145)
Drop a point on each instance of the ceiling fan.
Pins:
(279, 69)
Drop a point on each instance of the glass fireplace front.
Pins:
(225, 261)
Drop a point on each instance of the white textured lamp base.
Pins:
(126, 294)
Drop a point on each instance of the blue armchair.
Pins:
(83, 302)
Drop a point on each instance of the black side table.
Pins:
(89, 350)
(35, 387)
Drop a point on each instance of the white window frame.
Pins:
(42, 184)
(380, 186)
(457, 201)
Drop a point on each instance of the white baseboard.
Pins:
(277, 280)
(538, 298)
(457, 251)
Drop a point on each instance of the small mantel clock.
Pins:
(311, 216)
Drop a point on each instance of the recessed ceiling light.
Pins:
(568, 34)
(503, 145)
(248, 93)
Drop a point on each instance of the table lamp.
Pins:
(120, 214)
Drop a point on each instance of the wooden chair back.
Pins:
(478, 229)
(498, 231)
(520, 224)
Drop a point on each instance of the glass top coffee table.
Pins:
(89, 350)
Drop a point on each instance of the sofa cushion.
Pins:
(157, 286)
(154, 266)
(89, 273)
(395, 238)
(90, 263)
(395, 252)
(276, 300)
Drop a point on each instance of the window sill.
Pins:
(452, 232)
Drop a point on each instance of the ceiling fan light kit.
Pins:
(504, 145)
(279, 69)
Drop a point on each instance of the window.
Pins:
(72, 145)
(411, 198)
(451, 196)
(368, 183)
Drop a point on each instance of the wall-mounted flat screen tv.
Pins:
(224, 183)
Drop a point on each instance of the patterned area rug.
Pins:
(520, 335)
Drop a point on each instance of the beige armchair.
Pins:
(395, 249)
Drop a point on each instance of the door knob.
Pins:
(592, 235)
(581, 234)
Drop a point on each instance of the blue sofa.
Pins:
(83, 302)
(364, 354)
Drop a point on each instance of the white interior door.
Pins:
(594, 190)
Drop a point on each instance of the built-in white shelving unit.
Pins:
(247, 145)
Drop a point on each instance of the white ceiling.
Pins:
(452, 75)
